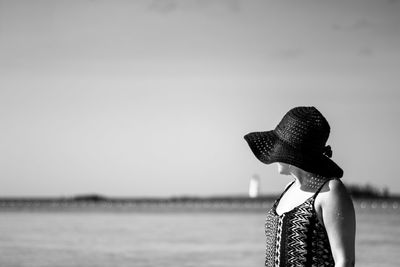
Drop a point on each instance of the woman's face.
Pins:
(283, 168)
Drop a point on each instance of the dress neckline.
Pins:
(291, 210)
(311, 198)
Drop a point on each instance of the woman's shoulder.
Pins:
(334, 193)
(334, 187)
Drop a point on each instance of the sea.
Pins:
(189, 236)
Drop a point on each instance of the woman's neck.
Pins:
(307, 181)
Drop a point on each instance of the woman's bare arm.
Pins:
(339, 219)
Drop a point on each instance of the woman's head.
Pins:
(299, 140)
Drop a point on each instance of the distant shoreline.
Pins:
(357, 192)
(223, 203)
(100, 198)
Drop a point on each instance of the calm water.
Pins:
(167, 239)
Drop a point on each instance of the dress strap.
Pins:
(319, 189)
(284, 191)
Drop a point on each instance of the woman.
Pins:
(312, 223)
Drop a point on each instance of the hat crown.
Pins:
(304, 128)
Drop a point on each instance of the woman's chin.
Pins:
(283, 170)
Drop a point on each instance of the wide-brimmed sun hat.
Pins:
(300, 140)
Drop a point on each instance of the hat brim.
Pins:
(269, 148)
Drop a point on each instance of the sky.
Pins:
(153, 98)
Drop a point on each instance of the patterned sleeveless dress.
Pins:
(297, 238)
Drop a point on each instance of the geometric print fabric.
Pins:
(296, 238)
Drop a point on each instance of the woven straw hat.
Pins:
(299, 140)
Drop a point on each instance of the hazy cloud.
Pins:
(362, 24)
(357, 25)
(365, 51)
(168, 6)
(229, 5)
(288, 53)
(163, 6)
